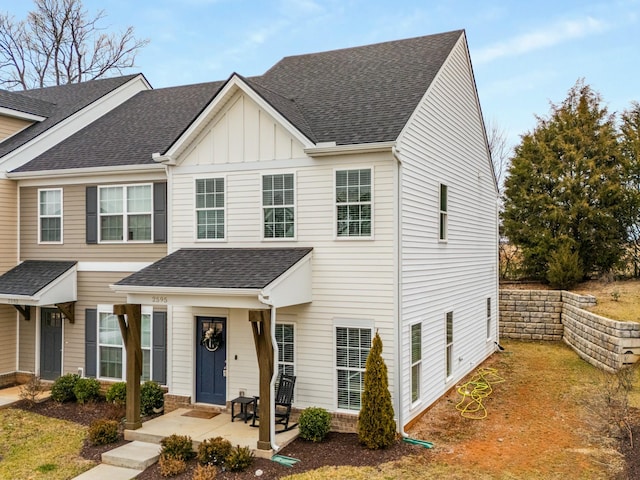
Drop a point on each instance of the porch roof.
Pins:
(224, 277)
(39, 283)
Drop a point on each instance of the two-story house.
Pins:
(339, 194)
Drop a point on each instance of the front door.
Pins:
(211, 358)
(50, 343)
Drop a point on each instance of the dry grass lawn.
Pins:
(619, 300)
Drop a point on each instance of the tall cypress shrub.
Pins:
(376, 426)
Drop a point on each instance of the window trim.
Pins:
(417, 363)
(195, 209)
(448, 345)
(146, 310)
(295, 350)
(361, 325)
(335, 204)
(294, 206)
(443, 217)
(61, 216)
(125, 213)
(489, 322)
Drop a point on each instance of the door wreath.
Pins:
(211, 339)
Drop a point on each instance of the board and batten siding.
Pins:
(74, 246)
(8, 225)
(445, 144)
(11, 125)
(8, 323)
(352, 278)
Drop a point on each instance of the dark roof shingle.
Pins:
(23, 103)
(31, 276)
(251, 268)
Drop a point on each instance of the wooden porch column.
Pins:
(131, 334)
(261, 326)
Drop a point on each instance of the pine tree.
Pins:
(567, 180)
(376, 425)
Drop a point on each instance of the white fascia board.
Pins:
(325, 151)
(293, 287)
(9, 112)
(73, 123)
(88, 175)
(233, 84)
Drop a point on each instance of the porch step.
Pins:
(135, 455)
(108, 472)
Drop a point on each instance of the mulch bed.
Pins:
(337, 449)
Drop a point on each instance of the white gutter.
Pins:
(78, 172)
(324, 150)
(10, 112)
(272, 384)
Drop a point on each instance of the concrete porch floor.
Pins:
(199, 429)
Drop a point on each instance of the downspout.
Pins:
(398, 281)
(272, 408)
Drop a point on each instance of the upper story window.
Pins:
(278, 205)
(210, 208)
(353, 203)
(125, 213)
(443, 212)
(50, 215)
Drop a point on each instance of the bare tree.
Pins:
(60, 43)
(500, 151)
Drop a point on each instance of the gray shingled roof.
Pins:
(31, 276)
(22, 103)
(128, 135)
(65, 100)
(350, 96)
(252, 268)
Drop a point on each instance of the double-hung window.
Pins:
(488, 318)
(125, 213)
(111, 352)
(416, 360)
(449, 343)
(354, 203)
(352, 349)
(50, 215)
(286, 348)
(443, 212)
(278, 206)
(210, 208)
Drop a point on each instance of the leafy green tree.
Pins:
(376, 425)
(567, 180)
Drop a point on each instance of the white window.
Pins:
(352, 349)
(443, 212)
(125, 213)
(286, 348)
(416, 360)
(278, 206)
(50, 215)
(111, 351)
(354, 203)
(210, 208)
(488, 318)
(449, 343)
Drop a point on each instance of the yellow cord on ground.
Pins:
(475, 391)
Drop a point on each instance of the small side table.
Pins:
(244, 412)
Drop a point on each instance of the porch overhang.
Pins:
(39, 283)
(252, 279)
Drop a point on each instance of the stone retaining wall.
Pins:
(560, 315)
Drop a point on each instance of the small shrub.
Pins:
(103, 432)
(314, 424)
(564, 270)
(171, 466)
(177, 446)
(214, 451)
(30, 391)
(239, 459)
(62, 388)
(151, 396)
(615, 295)
(117, 393)
(86, 390)
(204, 472)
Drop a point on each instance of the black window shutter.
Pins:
(159, 345)
(90, 341)
(92, 214)
(160, 212)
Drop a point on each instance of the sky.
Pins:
(525, 55)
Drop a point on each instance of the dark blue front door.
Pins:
(50, 343)
(211, 357)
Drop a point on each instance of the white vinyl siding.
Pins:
(278, 206)
(416, 361)
(210, 205)
(125, 213)
(352, 348)
(50, 215)
(354, 203)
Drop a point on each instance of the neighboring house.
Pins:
(339, 194)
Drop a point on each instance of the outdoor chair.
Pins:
(284, 396)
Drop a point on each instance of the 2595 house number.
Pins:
(158, 299)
